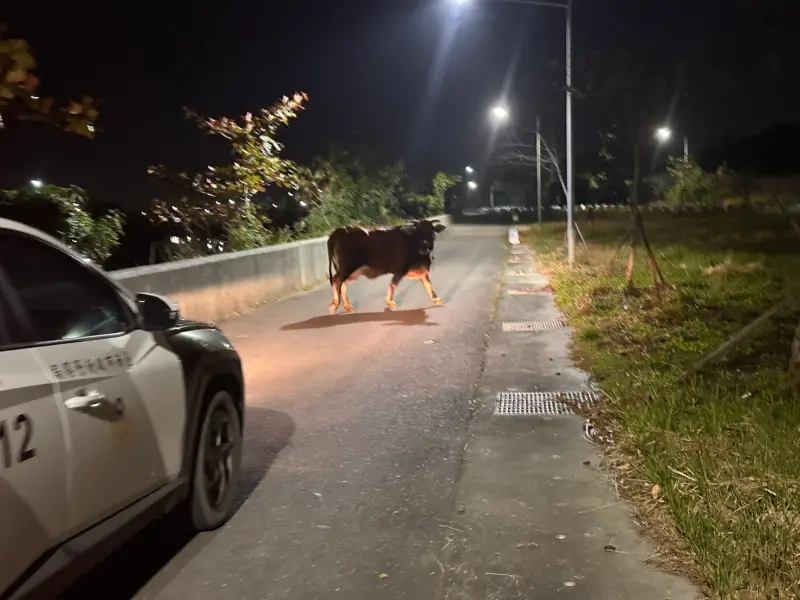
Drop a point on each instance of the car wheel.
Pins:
(217, 463)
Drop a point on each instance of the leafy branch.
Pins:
(220, 195)
(19, 97)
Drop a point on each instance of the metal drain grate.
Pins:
(519, 273)
(533, 325)
(520, 404)
(530, 291)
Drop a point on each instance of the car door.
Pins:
(33, 455)
(121, 390)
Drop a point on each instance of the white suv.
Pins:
(114, 410)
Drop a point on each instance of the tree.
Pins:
(442, 183)
(519, 149)
(63, 213)
(218, 212)
(432, 203)
(347, 188)
(692, 187)
(794, 361)
(19, 97)
(635, 87)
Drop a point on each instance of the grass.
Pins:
(712, 461)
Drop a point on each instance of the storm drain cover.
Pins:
(530, 291)
(520, 404)
(533, 325)
(519, 273)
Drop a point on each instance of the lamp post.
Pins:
(664, 134)
(538, 172)
(500, 114)
(567, 7)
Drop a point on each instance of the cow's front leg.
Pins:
(337, 296)
(347, 306)
(390, 303)
(426, 281)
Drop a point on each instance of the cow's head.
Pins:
(426, 231)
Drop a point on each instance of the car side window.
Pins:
(54, 298)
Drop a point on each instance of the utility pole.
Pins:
(686, 148)
(491, 195)
(539, 171)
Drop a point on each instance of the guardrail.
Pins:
(216, 288)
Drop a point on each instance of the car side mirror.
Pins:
(157, 312)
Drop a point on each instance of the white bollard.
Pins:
(513, 235)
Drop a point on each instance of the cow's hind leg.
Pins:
(337, 295)
(390, 303)
(426, 281)
(347, 306)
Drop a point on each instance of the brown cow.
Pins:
(404, 251)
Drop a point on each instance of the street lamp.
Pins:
(469, 170)
(566, 5)
(663, 135)
(499, 114)
(472, 185)
(37, 183)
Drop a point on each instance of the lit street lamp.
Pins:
(664, 134)
(37, 183)
(472, 185)
(499, 114)
(469, 170)
(566, 5)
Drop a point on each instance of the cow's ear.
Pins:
(439, 228)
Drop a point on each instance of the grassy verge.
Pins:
(713, 462)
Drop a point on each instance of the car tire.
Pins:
(217, 463)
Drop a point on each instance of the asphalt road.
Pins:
(354, 437)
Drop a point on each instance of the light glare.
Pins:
(500, 113)
(663, 134)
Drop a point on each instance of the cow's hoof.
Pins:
(349, 308)
(391, 305)
(332, 308)
(438, 301)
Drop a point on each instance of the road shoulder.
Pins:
(535, 513)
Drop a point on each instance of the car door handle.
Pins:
(85, 400)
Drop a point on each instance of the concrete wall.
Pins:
(215, 288)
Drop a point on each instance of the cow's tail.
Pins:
(331, 243)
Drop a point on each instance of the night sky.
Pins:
(414, 77)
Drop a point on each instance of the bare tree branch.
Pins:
(516, 151)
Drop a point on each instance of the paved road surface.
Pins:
(354, 438)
